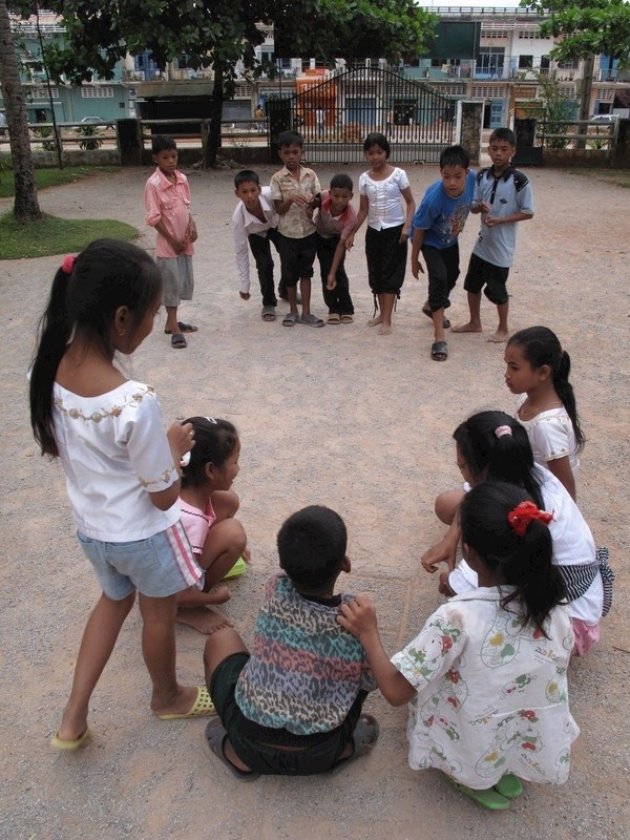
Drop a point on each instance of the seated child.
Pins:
(486, 676)
(293, 705)
(208, 506)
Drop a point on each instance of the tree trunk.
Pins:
(216, 115)
(26, 205)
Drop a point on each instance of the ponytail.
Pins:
(563, 388)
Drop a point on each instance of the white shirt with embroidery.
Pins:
(551, 435)
(114, 452)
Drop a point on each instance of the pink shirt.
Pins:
(329, 225)
(170, 204)
(197, 523)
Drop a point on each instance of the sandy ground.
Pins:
(337, 416)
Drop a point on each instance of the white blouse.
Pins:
(385, 207)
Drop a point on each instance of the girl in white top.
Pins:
(120, 469)
(486, 676)
(380, 190)
(538, 369)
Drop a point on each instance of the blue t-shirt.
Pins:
(442, 217)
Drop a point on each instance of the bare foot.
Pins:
(206, 621)
(72, 728)
(218, 595)
(374, 322)
(498, 337)
(180, 704)
(385, 329)
(469, 327)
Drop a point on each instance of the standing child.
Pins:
(438, 221)
(336, 220)
(487, 673)
(167, 209)
(120, 466)
(538, 369)
(380, 191)
(254, 222)
(293, 705)
(293, 190)
(503, 195)
(208, 505)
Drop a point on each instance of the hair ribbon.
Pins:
(524, 514)
(67, 266)
(502, 430)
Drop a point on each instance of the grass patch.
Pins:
(52, 235)
(52, 177)
(620, 177)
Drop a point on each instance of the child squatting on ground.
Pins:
(437, 224)
(335, 220)
(503, 196)
(292, 706)
(167, 209)
(254, 224)
(121, 469)
(486, 676)
(381, 189)
(293, 190)
(208, 506)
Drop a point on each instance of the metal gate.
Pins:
(334, 116)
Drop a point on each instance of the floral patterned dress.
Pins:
(491, 694)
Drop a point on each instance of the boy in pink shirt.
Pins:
(167, 209)
(335, 221)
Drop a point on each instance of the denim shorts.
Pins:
(151, 566)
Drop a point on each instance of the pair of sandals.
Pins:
(178, 342)
(336, 318)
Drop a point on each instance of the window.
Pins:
(104, 92)
(525, 61)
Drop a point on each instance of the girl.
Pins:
(487, 673)
(380, 190)
(120, 470)
(538, 369)
(491, 445)
(208, 505)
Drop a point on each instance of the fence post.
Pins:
(527, 154)
(470, 122)
(130, 142)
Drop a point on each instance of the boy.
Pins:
(335, 221)
(255, 221)
(293, 189)
(503, 196)
(293, 705)
(167, 209)
(438, 221)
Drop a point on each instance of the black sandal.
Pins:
(439, 351)
(214, 741)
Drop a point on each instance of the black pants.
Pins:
(337, 300)
(261, 250)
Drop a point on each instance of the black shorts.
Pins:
(443, 270)
(494, 277)
(261, 748)
(296, 257)
(387, 260)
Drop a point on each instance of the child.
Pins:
(335, 220)
(503, 196)
(255, 221)
(438, 221)
(538, 369)
(380, 190)
(208, 506)
(491, 445)
(120, 467)
(486, 675)
(293, 705)
(167, 209)
(293, 189)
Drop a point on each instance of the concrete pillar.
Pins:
(470, 125)
(130, 142)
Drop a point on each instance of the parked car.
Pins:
(97, 120)
(608, 119)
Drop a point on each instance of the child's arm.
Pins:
(416, 245)
(181, 441)
(409, 211)
(340, 250)
(561, 468)
(364, 206)
(443, 552)
(176, 244)
(492, 221)
(191, 230)
(359, 618)
(241, 251)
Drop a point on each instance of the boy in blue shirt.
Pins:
(438, 221)
(503, 196)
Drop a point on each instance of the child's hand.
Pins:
(178, 245)
(349, 242)
(245, 295)
(300, 199)
(491, 221)
(191, 231)
(331, 282)
(416, 268)
(442, 552)
(358, 616)
(404, 235)
(181, 438)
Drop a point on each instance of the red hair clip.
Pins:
(523, 514)
(67, 266)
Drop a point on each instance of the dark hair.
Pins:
(489, 457)
(523, 562)
(108, 274)
(162, 143)
(455, 156)
(312, 544)
(540, 346)
(341, 182)
(244, 176)
(290, 138)
(375, 138)
(505, 134)
(215, 440)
